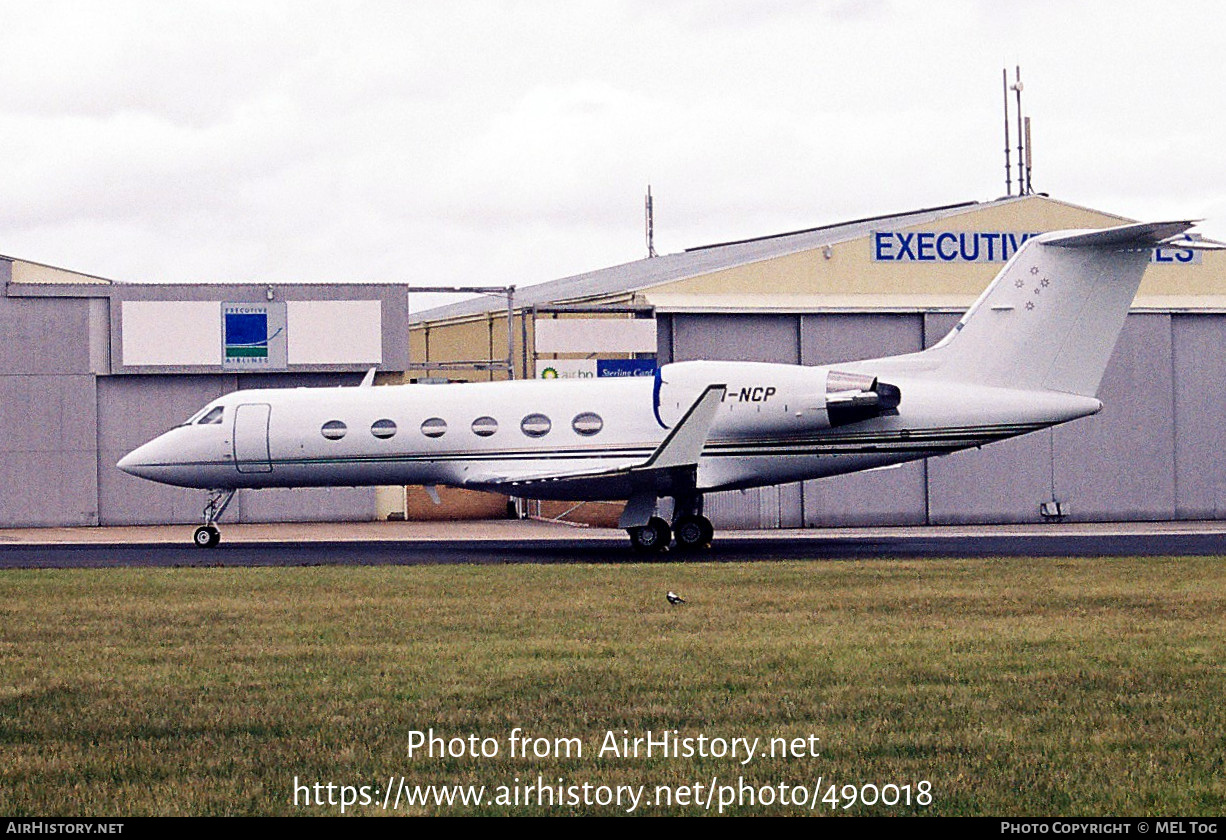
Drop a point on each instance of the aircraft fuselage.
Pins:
(561, 439)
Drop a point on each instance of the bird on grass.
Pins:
(674, 598)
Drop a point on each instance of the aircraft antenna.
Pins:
(1004, 73)
(650, 222)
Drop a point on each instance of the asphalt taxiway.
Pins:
(530, 541)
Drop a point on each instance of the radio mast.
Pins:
(650, 222)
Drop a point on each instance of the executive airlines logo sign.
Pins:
(968, 246)
(253, 336)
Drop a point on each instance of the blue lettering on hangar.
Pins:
(974, 247)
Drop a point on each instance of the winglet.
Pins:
(684, 443)
(369, 379)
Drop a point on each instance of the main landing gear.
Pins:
(690, 528)
(207, 535)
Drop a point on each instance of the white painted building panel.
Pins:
(335, 332)
(180, 332)
(595, 335)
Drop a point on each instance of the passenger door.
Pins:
(251, 453)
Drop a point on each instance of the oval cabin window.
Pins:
(587, 424)
(435, 427)
(536, 425)
(334, 430)
(383, 429)
(485, 426)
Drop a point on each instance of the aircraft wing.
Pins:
(672, 463)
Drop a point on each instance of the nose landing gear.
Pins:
(208, 535)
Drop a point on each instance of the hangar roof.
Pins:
(631, 277)
(24, 271)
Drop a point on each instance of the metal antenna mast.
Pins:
(1029, 189)
(1021, 165)
(650, 221)
(1004, 73)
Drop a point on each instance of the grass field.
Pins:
(1020, 687)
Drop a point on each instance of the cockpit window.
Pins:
(212, 418)
(195, 418)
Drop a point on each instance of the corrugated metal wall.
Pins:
(135, 409)
(1199, 356)
(1157, 451)
(47, 444)
(892, 496)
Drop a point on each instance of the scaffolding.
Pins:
(503, 364)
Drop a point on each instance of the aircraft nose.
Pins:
(136, 462)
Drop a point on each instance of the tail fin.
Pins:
(1050, 319)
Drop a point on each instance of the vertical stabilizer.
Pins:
(1051, 318)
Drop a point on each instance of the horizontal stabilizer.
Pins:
(1143, 235)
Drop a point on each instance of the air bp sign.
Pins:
(253, 336)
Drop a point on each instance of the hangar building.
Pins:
(896, 284)
(90, 369)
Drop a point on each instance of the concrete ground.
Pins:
(503, 530)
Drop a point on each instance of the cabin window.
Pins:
(383, 429)
(535, 425)
(587, 424)
(434, 427)
(334, 430)
(485, 426)
(213, 418)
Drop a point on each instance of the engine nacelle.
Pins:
(853, 397)
(771, 398)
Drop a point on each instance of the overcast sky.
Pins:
(502, 142)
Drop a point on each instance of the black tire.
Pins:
(694, 532)
(651, 538)
(206, 536)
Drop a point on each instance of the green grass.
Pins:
(1017, 686)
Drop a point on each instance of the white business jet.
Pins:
(1027, 355)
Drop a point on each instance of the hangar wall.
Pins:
(48, 448)
(72, 402)
(1154, 452)
(135, 409)
(70, 405)
(895, 284)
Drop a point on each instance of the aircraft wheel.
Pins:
(652, 537)
(694, 532)
(206, 536)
